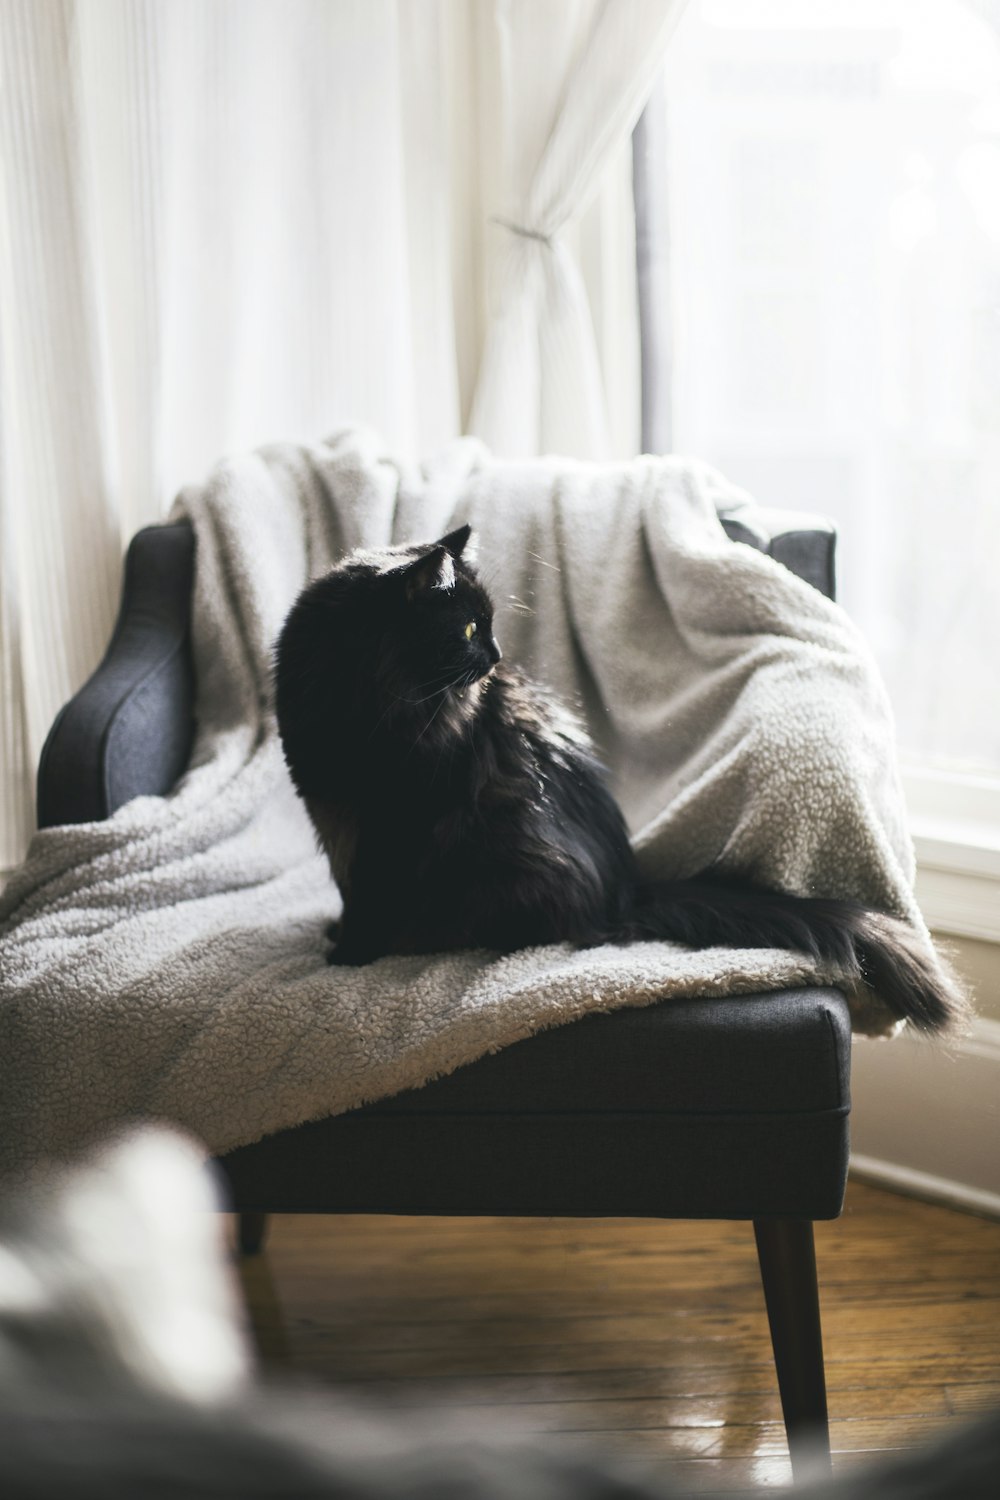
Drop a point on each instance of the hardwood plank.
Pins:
(976, 1324)
(743, 1414)
(979, 1365)
(967, 1399)
(332, 1294)
(762, 1440)
(858, 1391)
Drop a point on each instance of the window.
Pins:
(834, 246)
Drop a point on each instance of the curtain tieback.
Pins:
(523, 230)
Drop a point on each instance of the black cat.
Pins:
(461, 806)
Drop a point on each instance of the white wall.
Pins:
(926, 1117)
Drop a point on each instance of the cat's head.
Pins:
(440, 616)
(411, 625)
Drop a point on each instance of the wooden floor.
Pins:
(649, 1336)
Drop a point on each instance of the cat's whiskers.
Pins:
(466, 709)
(427, 726)
(554, 566)
(436, 693)
(397, 698)
(519, 605)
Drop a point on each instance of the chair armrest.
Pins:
(803, 542)
(128, 731)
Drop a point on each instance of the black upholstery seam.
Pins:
(372, 1111)
(834, 1051)
(114, 718)
(42, 797)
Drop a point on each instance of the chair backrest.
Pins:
(128, 732)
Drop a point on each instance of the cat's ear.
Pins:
(435, 570)
(455, 540)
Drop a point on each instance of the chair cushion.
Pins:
(731, 1108)
(756, 1054)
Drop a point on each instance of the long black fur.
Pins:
(461, 805)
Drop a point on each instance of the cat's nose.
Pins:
(495, 653)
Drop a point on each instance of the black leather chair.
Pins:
(714, 1108)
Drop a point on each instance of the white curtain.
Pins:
(221, 222)
(229, 221)
(574, 75)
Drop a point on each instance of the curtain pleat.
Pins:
(59, 536)
(221, 222)
(574, 80)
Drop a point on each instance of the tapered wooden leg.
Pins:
(251, 1232)
(787, 1259)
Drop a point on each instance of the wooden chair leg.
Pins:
(787, 1259)
(251, 1232)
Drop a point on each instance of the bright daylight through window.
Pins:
(834, 242)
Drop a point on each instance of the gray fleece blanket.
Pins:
(170, 962)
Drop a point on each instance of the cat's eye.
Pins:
(470, 630)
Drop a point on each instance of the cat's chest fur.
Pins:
(451, 791)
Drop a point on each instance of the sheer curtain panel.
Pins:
(221, 222)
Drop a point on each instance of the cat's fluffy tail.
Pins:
(868, 947)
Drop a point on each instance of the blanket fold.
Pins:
(170, 961)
